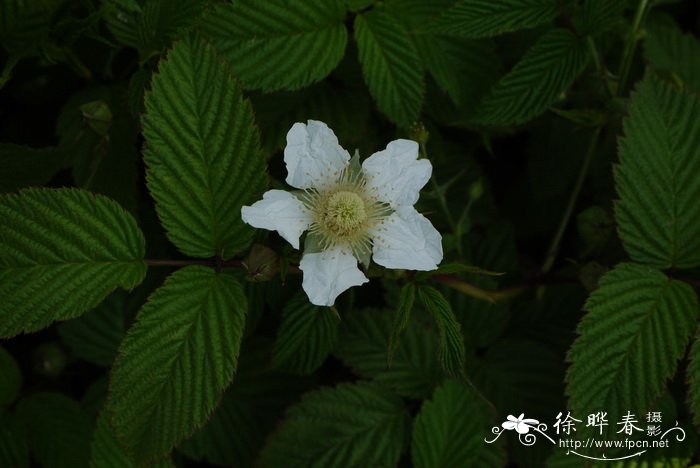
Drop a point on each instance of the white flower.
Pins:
(350, 211)
(520, 424)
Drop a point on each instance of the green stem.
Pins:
(554, 246)
(442, 200)
(631, 45)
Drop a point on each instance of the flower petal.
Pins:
(313, 156)
(329, 273)
(508, 425)
(522, 428)
(407, 240)
(279, 211)
(395, 175)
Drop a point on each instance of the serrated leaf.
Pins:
(390, 66)
(597, 16)
(24, 26)
(670, 50)
(544, 73)
(279, 44)
(106, 452)
(449, 430)
(95, 337)
(451, 352)
(638, 326)
(463, 68)
(10, 378)
(306, 336)
(176, 360)
(57, 429)
(83, 245)
(202, 152)
(658, 212)
(248, 412)
(483, 18)
(401, 318)
(414, 369)
(150, 28)
(22, 166)
(349, 425)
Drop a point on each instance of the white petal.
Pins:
(313, 156)
(329, 273)
(279, 211)
(395, 175)
(407, 240)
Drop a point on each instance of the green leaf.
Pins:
(597, 16)
(103, 149)
(248, 412)
(106, 452)
(82, 245)
(95, 337)
(151, 28)
(483, 18)
(202, 152)
(306, 336)
(401, 318)
(658, 212)
(451, 352)
(279, 44)
(449, 430)
(10, 378)
(14, 451)
(670, 50)
(414, 370)
(176, 361)
(390, 66)
(463, 68)
(693, 372)
(24, 26)
(349, 425)
(22, 166)
(638, 326)
(58, 431)
(545, 72)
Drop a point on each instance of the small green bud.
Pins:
(476, 190)
(419, 133)
(49, 360)
(98, 116)
(262, 263)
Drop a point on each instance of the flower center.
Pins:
(344, 213)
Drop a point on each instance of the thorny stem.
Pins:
(631, 45)
(554, 246)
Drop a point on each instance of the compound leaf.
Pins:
(62, 251)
